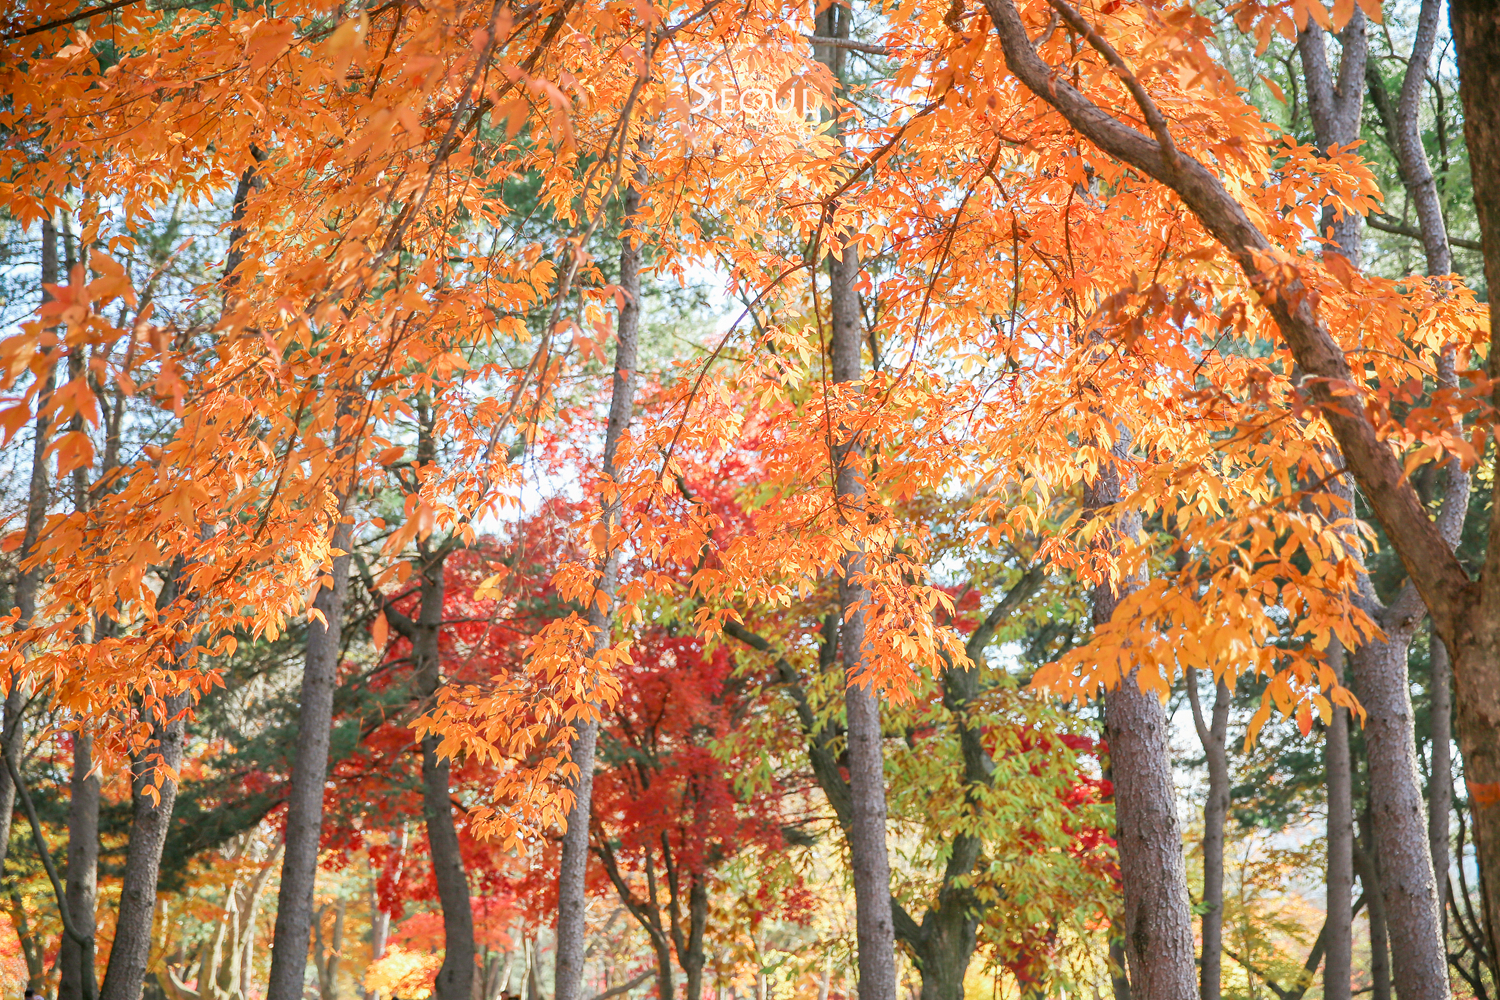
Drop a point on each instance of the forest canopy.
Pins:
(580, 499)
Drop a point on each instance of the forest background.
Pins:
(583, 499)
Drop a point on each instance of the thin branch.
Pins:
(63, 21)
(1386, 224)
(624, 987)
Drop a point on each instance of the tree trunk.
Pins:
(76, 961)
(868, 854)
(944, 953)
(1339, 926)
(1335, 103)
(694, 956)
(1380, 949)
(1158, 923)
(304, 819)
(1213, 735)
(1402, 852)
(125, 975)
(1411, 155)
(572, 901)
(455, 980)
(26, 582)
(1440, 784)
(1475, 643)
(380, 928)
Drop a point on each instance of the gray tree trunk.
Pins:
(868, 854)
(455, 980)
(1440, 784)
(1398, 814)
(76, 961)
(304, 820)
(1213, 734)
(126, 973)
(1339, 926)
(572, 900)
(26, 582)
(1416, 172)
(1475, 643)
(1335, 104)
(1158, 923)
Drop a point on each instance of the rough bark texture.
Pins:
(1158, 924)
(76, 961)
(1475, 642)
(125, 976)
(1213, 734)
(304, 820)
(23, 593)
(1380, 948)
(1334, 104)
(455, 980)
(572, 900)
(1398, 814)
(868, 854)
(1411, 155)
(1338, 934)
(1440, 782)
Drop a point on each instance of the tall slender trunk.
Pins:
(1213, 734)
(868, 854)
(572, 866)
(1402, 852)
(76, 961)
(152, 815)
(76, 958)
(27, 580)
(1421, 187)
(380, 929)
(1158, 923)
(304, 818)
(1440, 782)
(455, 980)
(695, 958)
(1368, 866)
(1475, 643)
(1339, 926)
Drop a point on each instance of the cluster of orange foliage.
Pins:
(1037, 301)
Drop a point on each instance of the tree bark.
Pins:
(1335, 104)
(455, 980)
(868, 853)
(27, 580)
(125, 975)
(1440, 783)
(1411, 155)
(1158, 923)
(572, 901)
(1475, 643)
(1380, 948)
(1213, 734)
(75, 960)
(304, 820)
(1398, 815)
(1339, 926)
